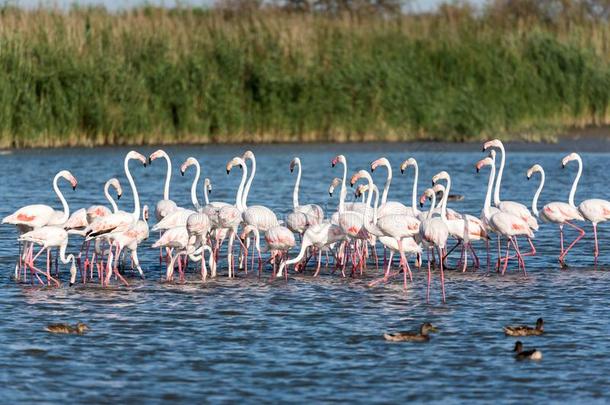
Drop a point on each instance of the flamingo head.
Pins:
(333, 184)
(568, 159)
(440, 176)
(236, 161)
(496, 143)
(483, 162)
(137, 156)
(72, 274)
(533, 169)
(337, 159)
(361, 189)
(114, 182)
(248, 155)
(156, 154)
(294, 162)
(68, 176)
(207, 184)
(246, 231)
(188, 162)
(427, 194)
(358, 175)
(407, 163)
(145, 212)
(380, 162)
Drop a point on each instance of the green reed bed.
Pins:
(90, 77)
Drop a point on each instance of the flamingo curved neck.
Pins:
(240, 190)
(206, 197)
(537, 195)
(500, 172)
(247, 189)
(62, 254)
(444, 200)
(115, 208)
(168, 176)
(64, 203)
(295, 192)
(490, 184)
(343, 189)
(414, 193)
(194, 199)
(575, 183)
(386, 187)
(136, 197)
(432, 205)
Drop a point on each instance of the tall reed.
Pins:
(149, 75)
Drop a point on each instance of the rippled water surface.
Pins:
(306, 339)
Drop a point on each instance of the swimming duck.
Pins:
(78, 329)
(422, 336)
(526, 354)
(523, 330)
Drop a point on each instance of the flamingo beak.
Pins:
(402, 170)
(181, 172)
(149, 161)
(330, 193)
(228, 171)
(118, 197)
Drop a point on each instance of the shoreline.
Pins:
(588, 139)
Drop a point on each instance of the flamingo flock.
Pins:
(350, 239)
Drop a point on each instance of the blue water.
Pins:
(307, 339)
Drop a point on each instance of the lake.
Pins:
(308, 339)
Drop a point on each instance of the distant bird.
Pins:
(64, 328)
(421, 336)
(532, 354)
(524, 330)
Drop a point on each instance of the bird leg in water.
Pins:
(581, 233)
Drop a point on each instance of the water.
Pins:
(308, 339)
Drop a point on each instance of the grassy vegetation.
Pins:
(90, 77)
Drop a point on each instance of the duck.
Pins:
(421, 336)
(523, 330)
(64, 328)
(532, 354)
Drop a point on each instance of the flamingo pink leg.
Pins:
(579, 237)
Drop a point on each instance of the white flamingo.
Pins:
(165, 206)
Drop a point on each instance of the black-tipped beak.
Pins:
(209, 191)
(149, 161)
(182, 172)
(351, 184)
(71, 284)
(330, 194)
(228, 171)
(528, 177)
(402, 171)
(291, 169)
(421, 204)
(478, 169)
(483, 149)
(118, 197)
(372, 169)
(73, 187)
(332, 165)
(563, 166)
(144, 164)
(432, 182)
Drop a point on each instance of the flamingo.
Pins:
(50, 237)
(501, 222)
(279, 240)
(176, 238)
(198, 227)
(433, 232)
(319, 236)
(464, 229)
(404, 246)
(165, 206)
(558, 212)
(510, 207)
(230, 216)
(397, 226)
(191, 161)
(38, 215)
(388, 207)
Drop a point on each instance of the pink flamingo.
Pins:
(130, 239)
(388, 207)
(465, 229)
(165, 206)
(302, 216)
(38, 215)
(49, 237)
(433, 232)
(191, 161)
(506, 224)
